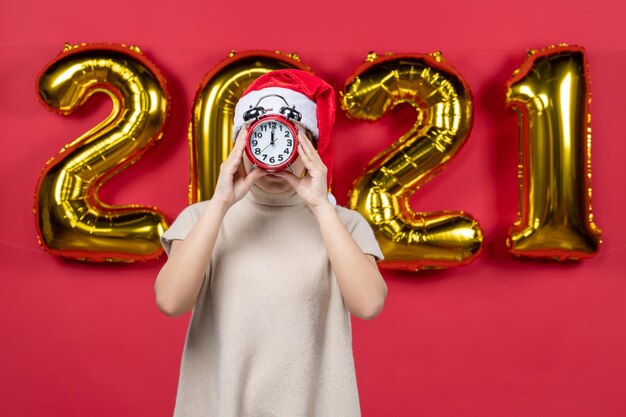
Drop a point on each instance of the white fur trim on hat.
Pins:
(304, 105)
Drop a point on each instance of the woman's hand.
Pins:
(313, 187)
(231, 184)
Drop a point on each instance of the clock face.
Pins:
(272, 142)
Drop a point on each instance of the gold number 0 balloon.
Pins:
(210, 131)
(410, 240)
(551, 94)
(71, 221)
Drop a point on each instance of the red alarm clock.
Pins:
(272, 141)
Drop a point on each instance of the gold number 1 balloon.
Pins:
(71, 221)
(210, 131)
(410, 240)
(551, 94)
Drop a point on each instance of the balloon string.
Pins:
(6, 242)
(607, 251)
(224, 50)
(601, 253)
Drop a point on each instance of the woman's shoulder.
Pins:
(194, 210)
(348, 216)
(346, 211)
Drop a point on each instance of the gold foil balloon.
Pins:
(210, 131)
(412, 240)
(71, 221)
(551, 94)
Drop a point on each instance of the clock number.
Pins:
(258, 135)
(264, 156)
(289, 142)
(286, 151)
(254, 142)
(286, 133)
(272, 160)
(257, 151)
(280, 156)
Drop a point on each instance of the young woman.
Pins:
(272, 269)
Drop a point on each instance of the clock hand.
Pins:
(266, 147)
(271, 142)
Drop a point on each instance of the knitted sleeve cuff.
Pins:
(363, 235)
(178, 230)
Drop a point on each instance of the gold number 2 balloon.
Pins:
(71, 221)
(442, 100)
(210, 131)
(551, 94)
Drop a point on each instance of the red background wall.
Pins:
(500, 337)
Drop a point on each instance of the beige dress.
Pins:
(270, 335)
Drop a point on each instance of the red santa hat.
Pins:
(311, 96)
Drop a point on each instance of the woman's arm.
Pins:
(363, 288)
(178, 284)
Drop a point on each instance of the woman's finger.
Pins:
(304, 155)
(240, 143)
(311, 151)
(234, 157)
(311, 158)
(306, 142)
(253, 176)
(242, 185)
